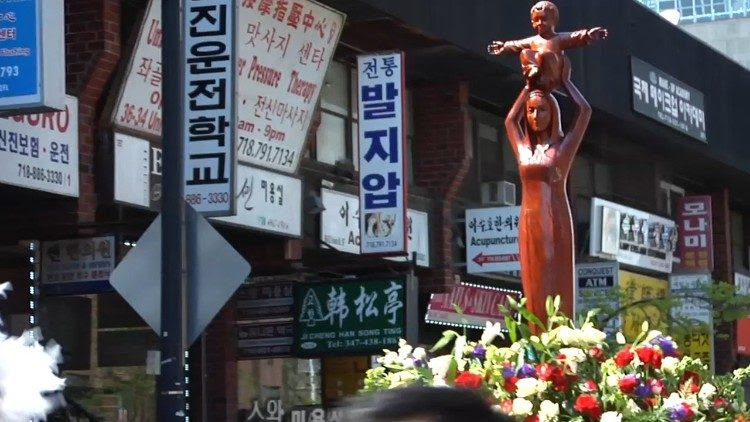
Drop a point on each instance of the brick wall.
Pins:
(442, 156)
(725, 343)
(92, 52)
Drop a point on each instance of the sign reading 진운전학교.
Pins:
(357, 316)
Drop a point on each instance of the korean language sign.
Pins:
(40, 151)
(694, 308)
(667, 100)
(267, 201)
(492, 239)
(635, 288)
(137, 171)
(742, 286)
(349, 317)
(265, 301)
(696, 244)
(597, 285)
(32, 55)
(477, 304)
(381, 153)
(209, 106)
(268, 339)
(339, 227)
(631, 236)
(77, 266)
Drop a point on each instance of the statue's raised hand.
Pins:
(496, 47)
(597, 34)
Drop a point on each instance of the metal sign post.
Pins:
(172, 387)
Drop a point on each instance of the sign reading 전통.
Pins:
(349, 317)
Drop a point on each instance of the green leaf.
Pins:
(512, 302)
(448, 336)
(557, 303)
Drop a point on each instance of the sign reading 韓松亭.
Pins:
(631, 236)
(492, 239)
(209, 106)
(284, 48)
(382, 160)
(597, 286)
(667, 100)
(694, 309)
(40, 151)
(636, 288)
(357, 316)
(696, 244)
(77, 266)
(477, 304)
(32, 56)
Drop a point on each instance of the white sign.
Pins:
(139, 105)
(339, 226)
(692, 308)
(382, 161)
(742, 284)
(137, 172)
(32, 56)
(209, 106)
(40, 151)
(77, 265)
(631, 236)
(492, 239)
(597, 286)
(267, 201)
(284, 51)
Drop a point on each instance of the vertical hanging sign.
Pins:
(696, 239)
(382, 188)
(209, 110)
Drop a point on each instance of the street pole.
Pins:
(172, 386)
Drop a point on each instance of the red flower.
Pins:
(649, 356)
(658, 387)
(656, 359)
(628, 383)
(624, 357)
(590, 385)
(720, 402)
(598, 354)
(689, 415)
(467, 379)
(506, 406)
(510, 384)
(588, 405)
(532, 418)
(693, 378)
(651, 402)
(545, 371)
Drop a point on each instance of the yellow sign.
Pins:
(636, 288)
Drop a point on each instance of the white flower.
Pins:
(490, 332)
(592, 336)
(522, 407)
(613, 381)
(404, 349)
(573, 353)
(620, 338)
(548, 411)
(439, 367)
(707, 392)
(674, 400)
(419, 353)
(611, 417)
(652, 335)
(408, 363)
(458, 348)
(389, 359)
(568, 336)
(669, 364)
(526, 387)
(632, 407)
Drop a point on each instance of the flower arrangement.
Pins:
(569, 372)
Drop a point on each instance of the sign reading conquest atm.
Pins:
(382, 160)
(32, 56)
(632, 237)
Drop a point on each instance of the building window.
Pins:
(668, 196)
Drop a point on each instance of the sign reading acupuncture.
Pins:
(349, 317)
(668, 100)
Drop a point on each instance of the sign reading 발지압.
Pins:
(637, 287)
(668, 100)
(40, 151)
(597, 286)
(696, 244)
(137, 172)
(339, 227)
(209, 106)
(477, 305)
(694, 308)
(356, 316)
(492, 239)
(382, 160)
(77, 266)
(267, 201)
(632, 236)
(32, 56)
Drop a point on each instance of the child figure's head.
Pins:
(544, 18)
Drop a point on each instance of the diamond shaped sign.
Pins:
(215, 271)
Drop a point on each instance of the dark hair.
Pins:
(436, 404)
(549, 7)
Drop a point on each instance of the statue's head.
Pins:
(542, 115)
(544, 17)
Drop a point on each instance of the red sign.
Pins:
(694, 225)
(477, 304)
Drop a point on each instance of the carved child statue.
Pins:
(542, 55)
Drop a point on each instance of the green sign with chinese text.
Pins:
(349, 317)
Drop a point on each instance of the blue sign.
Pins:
(20, 58)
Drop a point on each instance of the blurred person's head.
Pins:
(423, 404)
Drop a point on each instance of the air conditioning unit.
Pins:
(498, 193)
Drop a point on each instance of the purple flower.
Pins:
(667, 346)
(678, 413)
(526, 371)
(480, 352)
(508, 372)
(643, 391)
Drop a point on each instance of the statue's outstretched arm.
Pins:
(508, 47)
